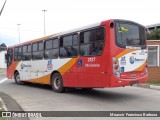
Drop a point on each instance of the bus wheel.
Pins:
(57, 83)
(17, 78)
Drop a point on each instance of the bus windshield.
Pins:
(129, 34)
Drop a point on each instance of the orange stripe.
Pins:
(124, 52)
(46, 79)
(67, 66)
(141, 67)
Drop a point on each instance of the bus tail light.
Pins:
(116, 68)
(146, 63)
(146, 71)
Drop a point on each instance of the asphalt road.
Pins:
(2, 73)
(32, 97)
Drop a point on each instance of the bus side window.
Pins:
(51, 49)
(37, 51)
(26, 49)
(92, 42)
(9, 59)
(15, 53)
(69, 46)
(19, 54)
(9, 56)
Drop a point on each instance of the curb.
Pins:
(3, 80)
(4, 106)
(11, 105)
(155, 87)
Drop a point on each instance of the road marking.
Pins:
(3, 80)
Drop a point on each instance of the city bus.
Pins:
(111, 53)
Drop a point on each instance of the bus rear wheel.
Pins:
(57, 83)
(17, 79)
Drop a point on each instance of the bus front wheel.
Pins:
(17, 78)
(57, 83)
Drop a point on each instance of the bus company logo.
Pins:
(123, 60)
(139, 60)
(23, 66)
(131, 59)
(49, 65)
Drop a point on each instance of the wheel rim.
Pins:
(57, 83)
(18, 78)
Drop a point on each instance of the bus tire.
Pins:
(17, 79)
(57, 83)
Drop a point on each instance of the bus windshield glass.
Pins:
(129, 34)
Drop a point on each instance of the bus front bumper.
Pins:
(118, 82)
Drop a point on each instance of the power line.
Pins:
(3, 7)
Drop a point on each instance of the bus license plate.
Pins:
(133, 74)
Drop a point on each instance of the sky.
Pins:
(63, 15)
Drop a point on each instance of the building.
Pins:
(153, 55)
(3, 63)
(150, 28)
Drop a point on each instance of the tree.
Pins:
(3, 47)
(154, 35)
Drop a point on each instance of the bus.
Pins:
(111, 53)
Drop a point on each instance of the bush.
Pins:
(154, 35)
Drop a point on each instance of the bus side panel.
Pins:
(105, 82)
(70, 76)
(68, 71)
(89, 80)
(89, 71)
(93, 71)
(11, 69)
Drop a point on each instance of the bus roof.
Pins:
(67, 32)
(56, 35)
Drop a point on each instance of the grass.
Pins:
(1, 109)
(154, 83)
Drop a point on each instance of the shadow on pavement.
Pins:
(108, 94)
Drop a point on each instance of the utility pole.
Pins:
(44, 22)
(19, 33)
